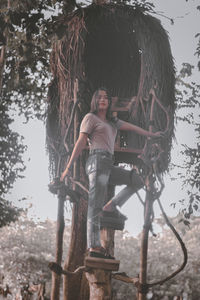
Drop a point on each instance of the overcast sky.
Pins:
(34, 185)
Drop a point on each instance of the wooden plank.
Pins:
(113, 223)
(101, 263)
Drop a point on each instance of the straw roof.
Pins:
(124, 49)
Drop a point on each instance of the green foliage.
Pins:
(8, 212)
(11, 165)
(188, 95)
(27, 44)
(26, 31)
(26, 249)
(11, 150)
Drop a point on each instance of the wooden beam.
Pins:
(101, 263)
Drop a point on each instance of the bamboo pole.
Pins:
(148, 210)
(144, 242)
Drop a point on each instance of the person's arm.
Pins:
(79, 146)
(139, 130)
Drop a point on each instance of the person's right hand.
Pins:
(64, 174)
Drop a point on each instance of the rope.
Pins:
(184, 249)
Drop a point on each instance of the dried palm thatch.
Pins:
(127, 51)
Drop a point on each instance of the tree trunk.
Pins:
(77, 287)
(100, 284)
(100, 280)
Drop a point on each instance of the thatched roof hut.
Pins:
(126, 50)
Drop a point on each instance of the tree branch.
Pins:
(54, 267)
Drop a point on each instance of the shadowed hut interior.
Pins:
(112, 57)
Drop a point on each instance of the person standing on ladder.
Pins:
(99, 128)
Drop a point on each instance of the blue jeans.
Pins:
(101, 172)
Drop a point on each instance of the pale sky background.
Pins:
(34, 185)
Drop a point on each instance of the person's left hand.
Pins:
(159, 134)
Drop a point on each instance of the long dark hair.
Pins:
(94, 103)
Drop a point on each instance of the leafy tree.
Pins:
(11, 164)
(188, 94)
(188, 97)
(28, 40)
(23, 81)
(26, 249)
(9, 213)
(27, 29)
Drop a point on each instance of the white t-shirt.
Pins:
(101, 133)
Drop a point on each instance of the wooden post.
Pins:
(144, 243)
(100, 279)
(100, 284)
(76, 287)
(55, 290)
(147, 224)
